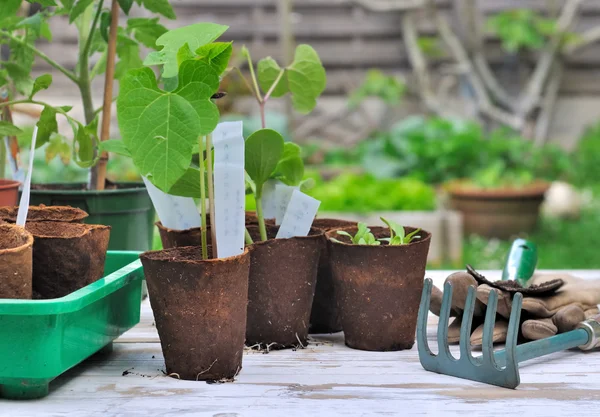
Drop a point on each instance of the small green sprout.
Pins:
(398, 235)
(363, 236)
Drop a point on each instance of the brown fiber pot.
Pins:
(500, 213)
(16, 246)
(281, 288)
(44, 213)
(66, 256)
(200, 311)
(9, 192)
(378, 289)
(325, 314)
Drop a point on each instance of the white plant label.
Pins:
(283, 194)
(24, 203)
(230, 188)
(269, 199)
(174, 212)
(299, 216)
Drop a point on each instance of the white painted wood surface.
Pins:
(325, 379)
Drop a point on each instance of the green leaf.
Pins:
(216, 54)
(160, 128)
(188, 185)
(412, 235)
(58, 146)
(343, 233)
(46, 126)
(195, 36)
(161, 7)
(67, 4)
(45, 31)
(85, 138)
(9, 8)
(8, 129)
(291, 166)
(105, 20)
(184, 54)
(267, 72)
(125, 5)
(114, 146)
(79, 8)
(262, 153)
(146, 31)
(128, 52)
(44, 3)
(32, 22)
(66, 109)
(41, 83)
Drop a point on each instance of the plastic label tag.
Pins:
(230, 188)
(299, 216)
(283, 194)
(174, 212)
(24, 203)
(269, 202)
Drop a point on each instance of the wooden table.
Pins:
(324, 379)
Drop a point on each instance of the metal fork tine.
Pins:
(442, 332)
(422, 319)
(487, 347)
(466, 325)
(513, 331)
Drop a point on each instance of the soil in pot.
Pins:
(44, 213)
(66, 256)
(200, 311)
(252, 220)
(325, 314)
(378, 289)
(498, 213)
(281, 288)
(15, 262)
(9, 192)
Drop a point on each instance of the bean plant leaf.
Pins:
(78, 8)
(44, 3)
(146, 30)
(114, 146)
(160, 128)
(263, 151)
(216, 54)
(47, 125)
(41, 83)
(304, 78)
(8, 129)
(128, 52)
(9, 8)
(125, 5)
(188, 185)
(159, 6)
(195, 36)
(290, 168)
(67, 4)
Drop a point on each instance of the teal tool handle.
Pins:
(521, 262)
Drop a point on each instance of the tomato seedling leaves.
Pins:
(42, 82)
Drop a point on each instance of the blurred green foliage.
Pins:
(387, 88)
(521, 29)
(586, 158)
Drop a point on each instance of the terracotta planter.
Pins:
(16, 246)
(281, 288)
(325, 313)
(501, 213)
(200, 310)
(378, 289)
(66, 256)
(44, 213)
(9, 192)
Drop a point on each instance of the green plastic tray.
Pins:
(41, 339)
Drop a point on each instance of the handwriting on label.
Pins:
(230, 188)
(179, 213)
(283, 194)
(299, 216)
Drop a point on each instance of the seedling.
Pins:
(398, 235)
(362, 237)
(92, 21)
(266, 154)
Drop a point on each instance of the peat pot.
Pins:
(378, 289)
(15, 262)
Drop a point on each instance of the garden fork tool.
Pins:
(496, 368)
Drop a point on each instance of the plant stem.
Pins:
(248, 86)
(85, 85)
(247, 236)
(274, 85)
(254, 80)
(263, 118)
(259, 213)
(39, 103)
(69, 74)
(211, 194)
(203, 201)
(98, 172)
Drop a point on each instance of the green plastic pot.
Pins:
(128, 209)
(42, 339)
